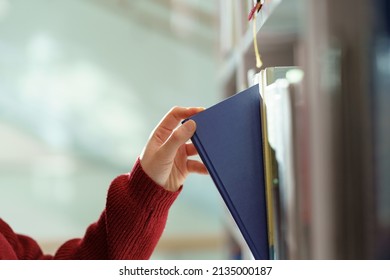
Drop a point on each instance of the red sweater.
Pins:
(129, 227)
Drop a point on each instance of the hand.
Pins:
(165, 156)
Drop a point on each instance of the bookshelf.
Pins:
(338, 215)
(279, 33)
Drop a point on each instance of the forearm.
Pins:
(131, 225)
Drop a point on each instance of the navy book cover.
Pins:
(229, 141)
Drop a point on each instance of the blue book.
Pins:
(229, 140)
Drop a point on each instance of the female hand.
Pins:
(165, 156)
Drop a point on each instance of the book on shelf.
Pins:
(229, 141)
(275, 215)
(247, 144)
(300, 194)
(281, 110)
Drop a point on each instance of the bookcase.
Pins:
(333, 42)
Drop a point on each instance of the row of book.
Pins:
(254, 145)
(285, 140)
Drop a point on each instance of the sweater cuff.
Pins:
(150, 194)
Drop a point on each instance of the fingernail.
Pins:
(190, 126)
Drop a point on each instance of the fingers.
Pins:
(172, 119)
(194, 166)
(179, 137)
(191, 150)
(176, 114)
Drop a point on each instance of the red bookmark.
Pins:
(254, 10)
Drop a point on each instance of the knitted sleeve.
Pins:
(129, 227)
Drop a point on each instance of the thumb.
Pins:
(179, 137)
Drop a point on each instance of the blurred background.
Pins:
(82, 85)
